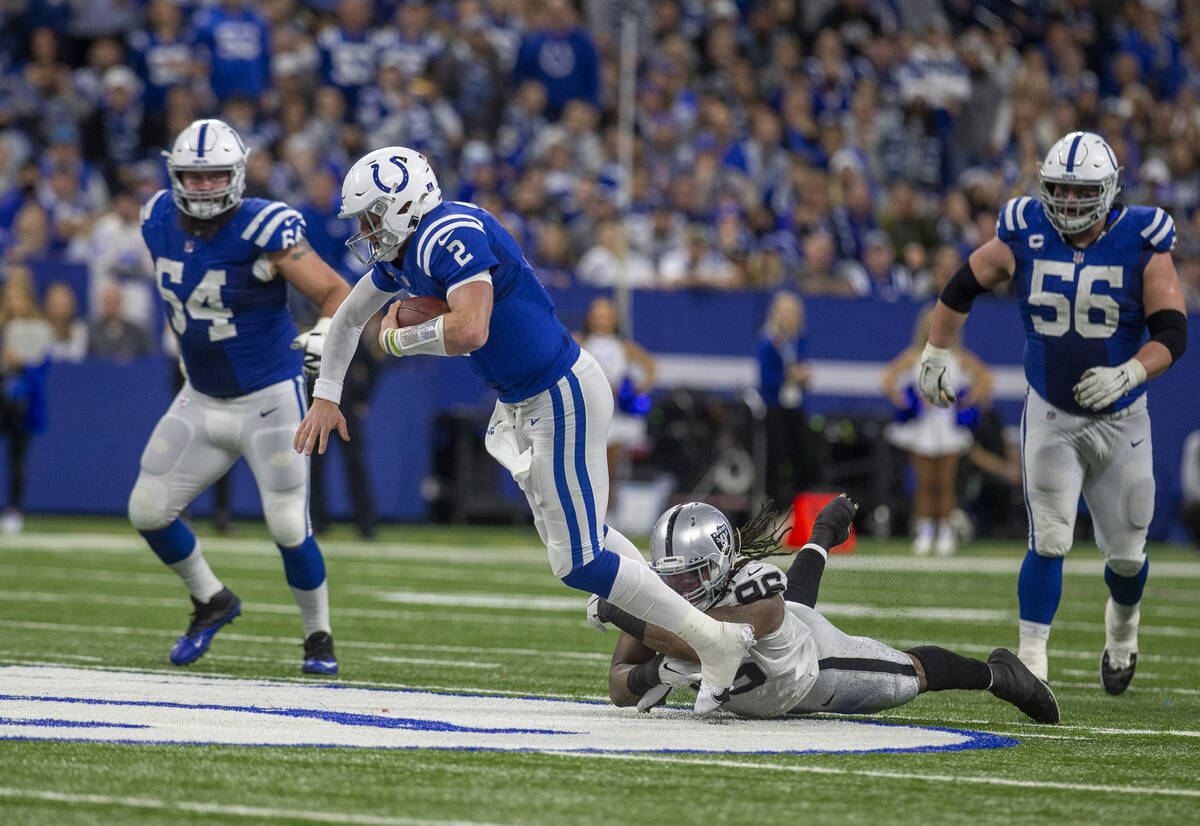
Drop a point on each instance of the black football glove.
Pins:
(832, 525)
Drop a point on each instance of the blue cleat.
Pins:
(207, 619)
(318, 654)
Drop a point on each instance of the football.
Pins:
(420, 308)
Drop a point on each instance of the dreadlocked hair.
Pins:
(761, 537)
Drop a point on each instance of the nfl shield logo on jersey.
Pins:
(1078, 256)
(189, 245)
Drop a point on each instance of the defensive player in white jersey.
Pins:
(1091, 277)
(550, 423)
(800, 662)
(223, 265)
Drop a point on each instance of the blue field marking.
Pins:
(341, 718)
(51, 722)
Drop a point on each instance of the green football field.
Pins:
(462, 612)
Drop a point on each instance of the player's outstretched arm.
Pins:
(988, 266)
(1162, 302)
(342, 339)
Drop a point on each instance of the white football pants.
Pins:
(200, 437)
(1107, 458)
(555, 445)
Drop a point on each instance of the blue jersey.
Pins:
(222, 300)
(528, 349)
(1081, 308)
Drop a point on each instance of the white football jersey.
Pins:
(780, 669)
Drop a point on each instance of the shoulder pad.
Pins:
(752, 582)
(1016, 216)
(155, 201)
(1157, 227)
(270, 219)
(464, 226)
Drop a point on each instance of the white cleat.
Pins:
(719, 665)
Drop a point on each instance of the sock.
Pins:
(193, 569)
(1127, 590)
(314, 608)
(172, 543)
(1039, 588)
(303, 566)
(924, 528)
(804, 575)
(638, 590)
(946, 670)
(616, 542)
(1032, 648)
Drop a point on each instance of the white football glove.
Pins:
(1101, 386)
(312, 343)
(672, 673)
(593, 614)
(934, 384)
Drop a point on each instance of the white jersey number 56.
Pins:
(1059, 322)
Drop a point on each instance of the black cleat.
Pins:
(318, 654)
(1014, 683)
(208, 618)
(1116, 680)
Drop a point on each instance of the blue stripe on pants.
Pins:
(585, 484)
(298, 386)
(560, 475)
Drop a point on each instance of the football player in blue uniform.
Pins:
(550, 425)
(1091, 277)
(223, 265)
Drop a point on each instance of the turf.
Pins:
(85, 592)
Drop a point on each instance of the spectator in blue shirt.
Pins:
(348, 52)
(783, 376)
(562, 56)
(163, 54)
(238, 44)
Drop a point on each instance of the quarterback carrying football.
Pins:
(1091, 276)
(223, 264)
(800, 663)
(550, 424)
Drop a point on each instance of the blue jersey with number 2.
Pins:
(528, 349)
(1081, 308)
(222, 299)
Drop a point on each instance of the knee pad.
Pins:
(286, 515)
(278, 466)
(149, 504)
(597, 576)
(1127, 568)
(1137, 500)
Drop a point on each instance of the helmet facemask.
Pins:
(207, 204)
(699, 579)
(1073, 206)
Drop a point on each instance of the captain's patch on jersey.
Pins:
(60, 703)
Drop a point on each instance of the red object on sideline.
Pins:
(805, 508)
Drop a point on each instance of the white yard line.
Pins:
(932, 778)
(259, 812)
(1080, 564)
(423, 661)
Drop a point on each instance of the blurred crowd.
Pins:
(857, 147)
